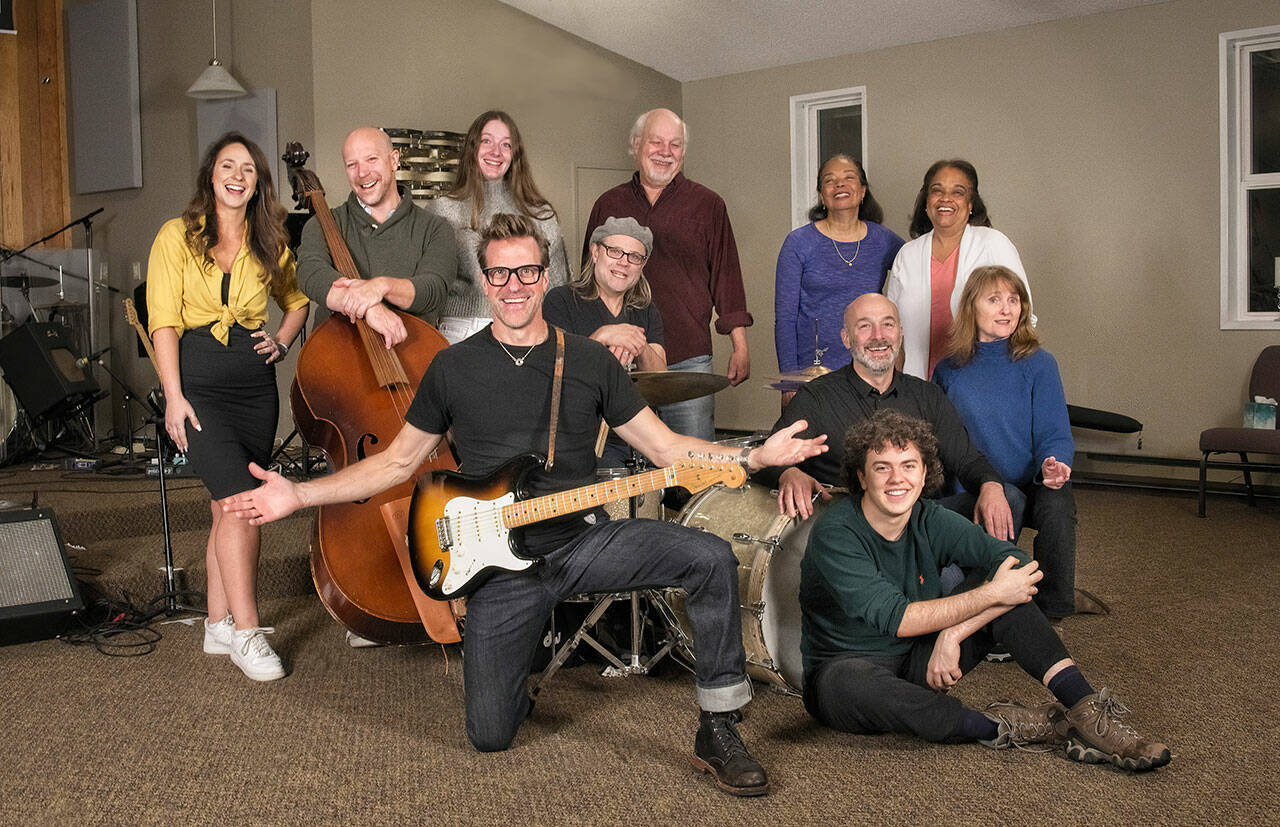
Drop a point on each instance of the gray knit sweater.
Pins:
(466, 297)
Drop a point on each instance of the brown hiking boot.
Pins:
(1099, 734)
(1023, 726)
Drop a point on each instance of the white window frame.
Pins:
(1235, 134)
(804, 143)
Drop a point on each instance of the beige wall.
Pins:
(438, 64)
(265, 46)
(1097, 144)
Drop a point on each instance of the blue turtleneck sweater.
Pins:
(1016, 412)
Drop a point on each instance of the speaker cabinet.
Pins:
(38, 595)
(40, 366)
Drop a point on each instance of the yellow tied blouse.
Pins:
(184, 292)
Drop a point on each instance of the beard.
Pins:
(875, 363)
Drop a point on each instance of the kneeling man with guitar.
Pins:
(521, 386)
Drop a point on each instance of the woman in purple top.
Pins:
(1009, 394)
(824, 265)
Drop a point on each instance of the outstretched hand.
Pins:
(784, 448)
(1054, 474)
(277, 497)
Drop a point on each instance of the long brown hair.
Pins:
(584, 285)
(264, 214)
(519, 177)
(964, 331)
(920, 223)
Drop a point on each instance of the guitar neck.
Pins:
(131, 314)
(691, 475)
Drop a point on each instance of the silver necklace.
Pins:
(856, 250)
(518, 360)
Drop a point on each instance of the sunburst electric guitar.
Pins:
(462, 528)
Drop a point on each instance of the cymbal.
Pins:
(811, 372)
(27, 281)
(666, 387)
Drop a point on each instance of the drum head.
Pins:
(8, 410)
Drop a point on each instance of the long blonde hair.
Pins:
(964, 331)
(583, 285)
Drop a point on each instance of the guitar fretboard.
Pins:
(537, 509)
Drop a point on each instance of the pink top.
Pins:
(942, 281)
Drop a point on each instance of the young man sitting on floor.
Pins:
(882, 646)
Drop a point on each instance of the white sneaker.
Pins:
(357, 642)
(251, 652)
(217, 636)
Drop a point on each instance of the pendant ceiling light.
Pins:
(215, 81)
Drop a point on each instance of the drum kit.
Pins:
(767, 544)
(428, 161)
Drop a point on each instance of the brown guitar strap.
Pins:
(556, 382)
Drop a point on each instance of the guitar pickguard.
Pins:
(473, 533)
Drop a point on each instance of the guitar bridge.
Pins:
(444, 536)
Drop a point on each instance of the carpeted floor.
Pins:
(375, 736)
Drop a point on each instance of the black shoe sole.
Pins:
(1078, 750)
(744, 792)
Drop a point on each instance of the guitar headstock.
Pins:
(131, 312)
(697, 474)
(306, 184)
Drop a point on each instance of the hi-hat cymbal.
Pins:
(27, 281)
(666, 387)
(811, 372)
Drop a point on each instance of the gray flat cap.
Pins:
(624, 226)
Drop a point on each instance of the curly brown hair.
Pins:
(889, 427)
(264, 214)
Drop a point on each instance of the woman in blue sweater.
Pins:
(1009, 394)
(842, 253)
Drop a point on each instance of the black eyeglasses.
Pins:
(527, 273)
(618, 252)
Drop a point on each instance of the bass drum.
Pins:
(769, 547)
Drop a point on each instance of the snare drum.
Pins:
(769, 547)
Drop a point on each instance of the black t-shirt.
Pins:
(498, 410)
(565, 309)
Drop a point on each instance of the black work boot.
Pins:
(718, 749)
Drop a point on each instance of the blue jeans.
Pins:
(696, 417)
(1052, 512)
(506, 615)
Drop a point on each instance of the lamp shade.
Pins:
(216, 82)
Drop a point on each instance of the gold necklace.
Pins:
(856, 250)
(520, 360)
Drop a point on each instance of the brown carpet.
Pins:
(375, 736)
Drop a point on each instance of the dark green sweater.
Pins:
(855, 585)
(411, 244)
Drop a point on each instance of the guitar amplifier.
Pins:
(38, 595)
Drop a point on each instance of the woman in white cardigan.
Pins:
(951, 237)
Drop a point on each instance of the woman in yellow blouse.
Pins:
(208, 279)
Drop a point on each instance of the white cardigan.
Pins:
(908, 284)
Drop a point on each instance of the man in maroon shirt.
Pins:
(694, 264)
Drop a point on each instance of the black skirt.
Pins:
(233, 392)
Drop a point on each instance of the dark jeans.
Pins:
(506, 615)
(1052, 512)
(867, 695)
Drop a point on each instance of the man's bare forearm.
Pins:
(925, 616)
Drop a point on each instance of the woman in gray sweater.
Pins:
(493, 177)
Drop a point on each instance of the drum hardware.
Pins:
(742, 537)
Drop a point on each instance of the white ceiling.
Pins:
(694, 39)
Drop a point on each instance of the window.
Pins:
(822, 124)
(1249, 89)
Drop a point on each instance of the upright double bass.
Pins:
(349, 399)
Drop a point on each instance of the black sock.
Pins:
(1069, 686)
(974, 726)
